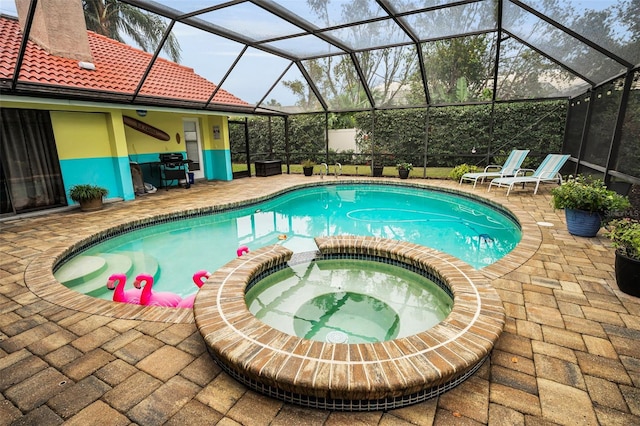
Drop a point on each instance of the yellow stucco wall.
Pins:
(81, 134)
(207, 126)
(141, 143)
(97, 132)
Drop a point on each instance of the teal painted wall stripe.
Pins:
(217, 164)
(111, 173)
(123, 175)
(150, 165)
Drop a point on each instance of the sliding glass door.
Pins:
(30, 177)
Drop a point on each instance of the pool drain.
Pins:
(337, 337)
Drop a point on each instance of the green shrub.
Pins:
(460, 170)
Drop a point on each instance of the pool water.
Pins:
(348, 301)
(172, 252)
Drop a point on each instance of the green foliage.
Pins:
(445, 136)
(625, 234)
(453, 132)
(115, 19)
(537, 126)
(460, 170)
(588, 194)
(404, 166)
(348, 156)
(307, 137)
(341, 121)
(86, 192)
(308, 163)
(458, 68)
(397, 134)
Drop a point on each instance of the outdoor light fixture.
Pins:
(141, 112)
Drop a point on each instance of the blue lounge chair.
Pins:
(509, 168)
(548, 171)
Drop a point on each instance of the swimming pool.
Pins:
(465, 228)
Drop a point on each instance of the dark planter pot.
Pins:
(91, 205)
(308, 171)
(377, 171)
(628, 275)
(404, 173)
(582, 223)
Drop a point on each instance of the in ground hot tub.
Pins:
(347, 298)
(332, 372)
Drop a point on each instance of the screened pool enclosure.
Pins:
(410, 76)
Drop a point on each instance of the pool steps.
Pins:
(88, 274)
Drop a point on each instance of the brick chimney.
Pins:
(58, 27)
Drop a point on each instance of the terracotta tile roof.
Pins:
(119, 68)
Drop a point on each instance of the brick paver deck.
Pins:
(569, 353)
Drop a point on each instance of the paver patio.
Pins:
(569, 353)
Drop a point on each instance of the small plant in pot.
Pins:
(404, 169)
(625, 235)
(89, 196)
(307, 167)
(377, 167)
(585, 201)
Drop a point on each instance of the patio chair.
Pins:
(509, 168)
(548, 171)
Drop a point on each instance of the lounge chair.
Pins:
(548, 171)
(509, 168)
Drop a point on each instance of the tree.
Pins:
(386, 71)
(459, 69)
(628, 13)
(114, 19)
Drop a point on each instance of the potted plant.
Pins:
(89, 196)
(404, 169)
(625, 234)
(307, 167)
(585, 201)
(377, 167)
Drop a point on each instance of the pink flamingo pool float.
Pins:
(119, 294)
(151, 298)
(198, 278)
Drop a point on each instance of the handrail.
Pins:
(326, 170)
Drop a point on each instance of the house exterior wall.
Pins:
(95, 146)
(87, 149)
(217, 149)
(145, 150)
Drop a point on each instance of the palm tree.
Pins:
(112, 18)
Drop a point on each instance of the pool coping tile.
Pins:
(477, 318)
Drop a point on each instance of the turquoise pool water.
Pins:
(348, 301)
(172, 252)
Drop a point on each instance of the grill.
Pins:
(172, 159)
(173, 169)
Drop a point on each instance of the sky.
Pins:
(211, 56)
